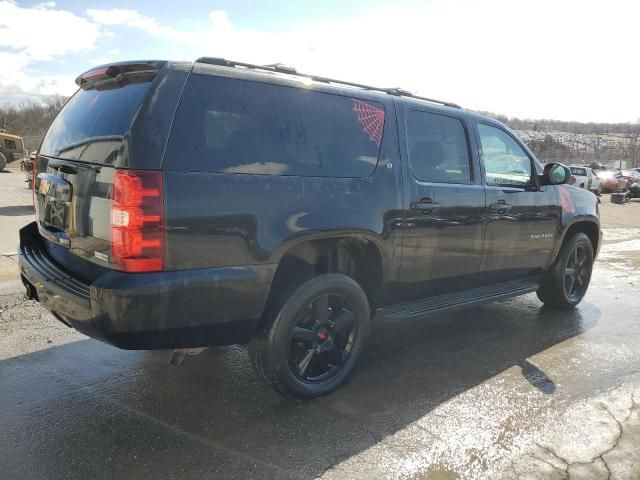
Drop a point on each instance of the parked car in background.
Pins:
(633, 176)
(586, 178)
(26, 165)
(612, 181)
(11, 148)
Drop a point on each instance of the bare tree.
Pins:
(8, 116)
(30, 119)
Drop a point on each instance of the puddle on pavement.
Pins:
(618, 234)
(622, 246)
(620, 255)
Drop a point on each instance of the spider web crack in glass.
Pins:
(371, 118)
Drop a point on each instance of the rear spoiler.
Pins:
(112, 72)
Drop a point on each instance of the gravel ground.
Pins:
(613, 215)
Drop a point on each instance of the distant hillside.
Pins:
(575, 142)
(609, 148)
(568, 127)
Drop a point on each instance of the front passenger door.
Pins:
(522, 216)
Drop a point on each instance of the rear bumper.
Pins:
(178, 309)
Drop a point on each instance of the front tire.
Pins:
(566, 283)
(315, 339)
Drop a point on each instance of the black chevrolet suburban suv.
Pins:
(186, 205)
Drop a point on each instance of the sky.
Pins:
(560, 59)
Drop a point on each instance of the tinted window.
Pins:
(581, 172)
(92, 125)
(237, 126)
(437, 147)
(505, 162)
(10, 144)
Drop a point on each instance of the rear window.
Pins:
(580, 172)
(92, 125)
(238, 126)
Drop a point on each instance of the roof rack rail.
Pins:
(280, 68)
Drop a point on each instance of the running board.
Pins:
(451, 301)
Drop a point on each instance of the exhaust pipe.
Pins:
(31, 293)
(179, 355)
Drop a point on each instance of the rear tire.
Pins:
(315, 338)
(566, 283)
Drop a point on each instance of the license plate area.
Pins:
(53, 205)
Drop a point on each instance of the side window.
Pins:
(10, 144)
(437, 147)
(238, 126)
(505, 162)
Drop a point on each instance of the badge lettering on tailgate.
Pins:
(101, 256)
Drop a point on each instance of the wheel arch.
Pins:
(583, 224)
(359, 255)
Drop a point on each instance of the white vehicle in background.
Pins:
(586, 178)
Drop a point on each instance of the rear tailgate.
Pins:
(82, 151)
(73, 205)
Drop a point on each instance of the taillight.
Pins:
(137, 221)
(572, 180)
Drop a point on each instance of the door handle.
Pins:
(425, 206)
(500, 207)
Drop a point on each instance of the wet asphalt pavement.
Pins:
(507, 390)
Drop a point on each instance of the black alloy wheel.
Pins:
(314, 337)
(322, 339)
(576, 274)
(565, 284)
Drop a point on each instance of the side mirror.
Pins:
(555, 174)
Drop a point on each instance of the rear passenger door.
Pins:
(444, 204)
(522, 215)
